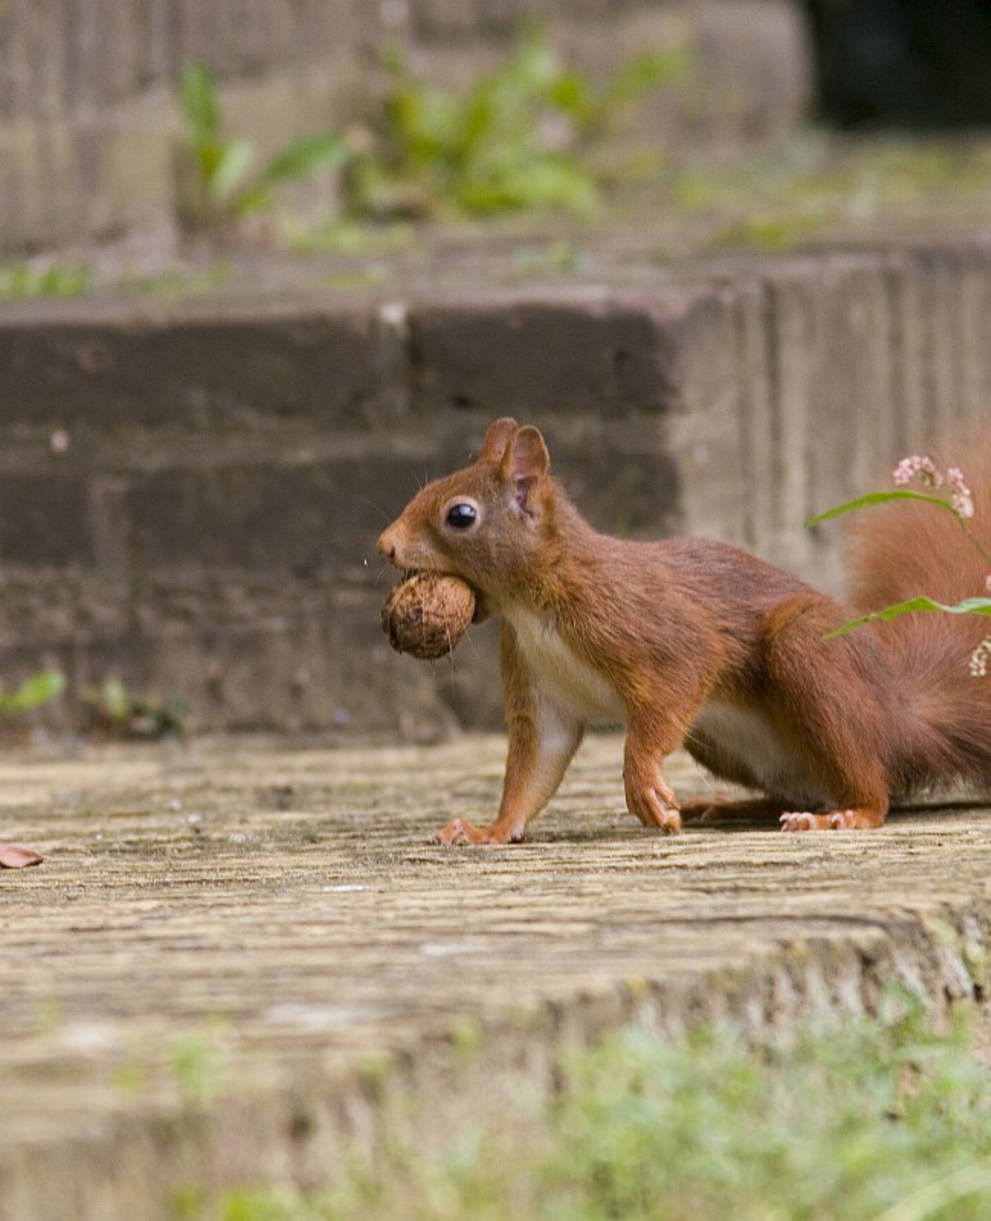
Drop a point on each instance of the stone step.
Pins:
(179, 480)
(237, 960)
(89, 124)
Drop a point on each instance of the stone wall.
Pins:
(88, 122)
(191, 495)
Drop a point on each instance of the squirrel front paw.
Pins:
(655, 806)
(461, 831)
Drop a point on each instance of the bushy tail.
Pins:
(899, 551)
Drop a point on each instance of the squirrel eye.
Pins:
(461, 516)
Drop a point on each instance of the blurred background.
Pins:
(268, 265)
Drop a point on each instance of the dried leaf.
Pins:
(17, 856)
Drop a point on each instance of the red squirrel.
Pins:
(698, 643)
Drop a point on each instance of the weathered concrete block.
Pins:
(55, 606)
(88, 118)
(755, 387)
(703, 433)
(308, 517)
(517, 357)
(235, 368)
(44, 519)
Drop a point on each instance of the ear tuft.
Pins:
(525, 463)
(499, 434)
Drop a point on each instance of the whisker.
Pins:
(385, 515)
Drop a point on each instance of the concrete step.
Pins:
(194, 491)
(89, 124)
(236, 959)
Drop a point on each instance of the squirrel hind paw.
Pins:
(799, 820)
(858, 818)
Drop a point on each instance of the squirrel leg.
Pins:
(542, 742)
(649, 739)
(723, 809)
(827, 708)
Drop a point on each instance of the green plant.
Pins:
(115, 712)
(175, 285)
(39, 689)
(950, 493)
(228, 182)
(854, 1119)
(517, 139)
(200, 1062)
(22, 281)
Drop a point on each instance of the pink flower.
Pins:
(961, 497)
(921, 466)
(930, 476)
(979, 658)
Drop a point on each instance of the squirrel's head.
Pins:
(486, 523)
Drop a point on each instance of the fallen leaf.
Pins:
(16, 856)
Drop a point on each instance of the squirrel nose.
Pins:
(387, 548)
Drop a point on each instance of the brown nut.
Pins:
(427, 614)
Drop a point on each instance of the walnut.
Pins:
(427, 614)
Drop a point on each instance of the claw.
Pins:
(798, 820)
(456, 832)
(654, 810)
(834, 820)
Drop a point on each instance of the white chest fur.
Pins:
(566, 678)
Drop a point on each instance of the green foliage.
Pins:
(516, 140)
(21, 281)
(858, 1120)
(173, 285)
(200, 1062)
(200, 105)
(39, 689)
(769, 232)
(229, 184)
(880, 498)
(910, 606)
(116, 713)
(352, 238)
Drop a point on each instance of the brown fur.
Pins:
(700, 643)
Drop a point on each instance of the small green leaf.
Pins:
(569, 92)
(969, 606)
(208, 154)
(36, 690)
(115, 701)
(236, 160)
(644, 73)
(305, 157)
(252, 201)
(198, 99)
(878, 498)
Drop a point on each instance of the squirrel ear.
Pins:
(525, 464)
(497, 438)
